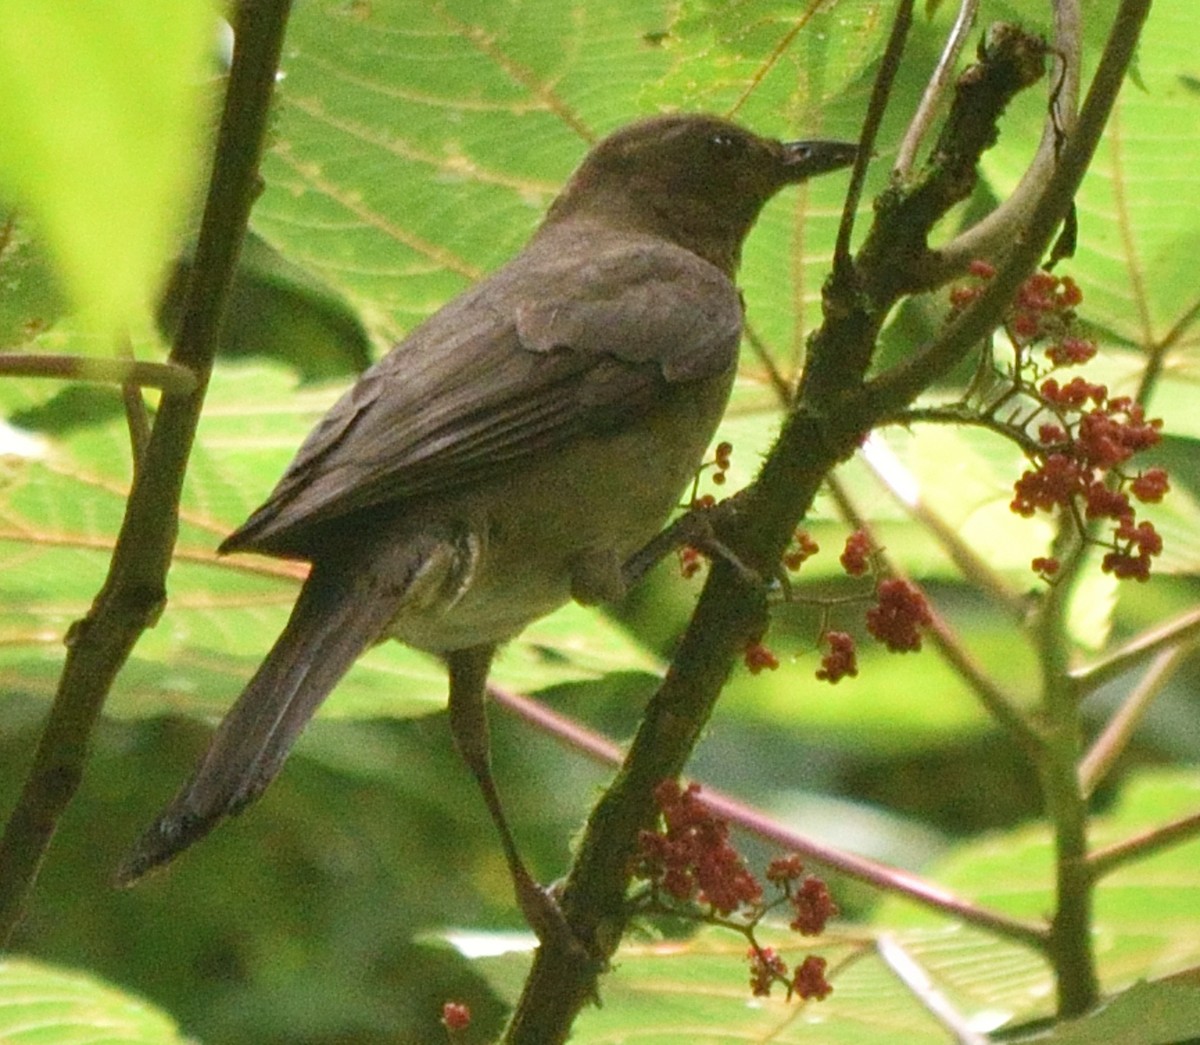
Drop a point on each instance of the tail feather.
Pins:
(333, 621)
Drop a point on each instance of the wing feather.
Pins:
(545, 351)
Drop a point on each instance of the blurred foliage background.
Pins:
(414, 147)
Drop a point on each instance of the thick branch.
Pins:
(834, 410)
(895, 389)
(992, 236)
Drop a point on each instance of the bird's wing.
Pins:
(539, 354)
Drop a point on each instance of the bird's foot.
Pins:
(698, 528)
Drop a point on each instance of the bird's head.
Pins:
(697, 180)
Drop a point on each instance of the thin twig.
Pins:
(1180, 631)
(169, 377)
(137, 417)
(889, 68)
(1110, 858)
(919, 125)
(1108, 747)
(892, 880)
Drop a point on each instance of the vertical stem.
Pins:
(135, 588)
(1071, 950)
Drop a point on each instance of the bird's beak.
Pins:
(807, 159)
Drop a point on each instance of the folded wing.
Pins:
(546, 351)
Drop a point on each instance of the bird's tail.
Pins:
(333, 621)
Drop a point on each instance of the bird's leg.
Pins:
(469, 727)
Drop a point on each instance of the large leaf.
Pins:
(42, 1003)
(101, 107)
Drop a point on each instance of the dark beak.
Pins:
(803, 160)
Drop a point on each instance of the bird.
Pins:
(509, 454)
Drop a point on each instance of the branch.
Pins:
(1181, 631)
(935, 90)
(1104, 861)
(879, 876)
(899, 386)
(134, 591)
(1121, 727)
(992, 236)
(835, 407)
(889, 67)
(731, 613)
(170, 377)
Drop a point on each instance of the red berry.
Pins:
(856, 556)
(899, 614)
(456, 1015)
(1150, 486)
(809, 980)
(840, 662)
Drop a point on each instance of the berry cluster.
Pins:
(1081, 451)
(689, 860)
(897, 618)
(1043, 310)
(767, 968)
(842, 659)
(691, 558)
(810, 900)
(802, 549)
(721, 462)
(856, 556)
(1078, 468)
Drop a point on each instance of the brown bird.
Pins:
(510, 453)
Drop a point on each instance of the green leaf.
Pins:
(44, 1003)
(1146, 1014)
(1147, 919)
(277, 310)
(101, 108)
